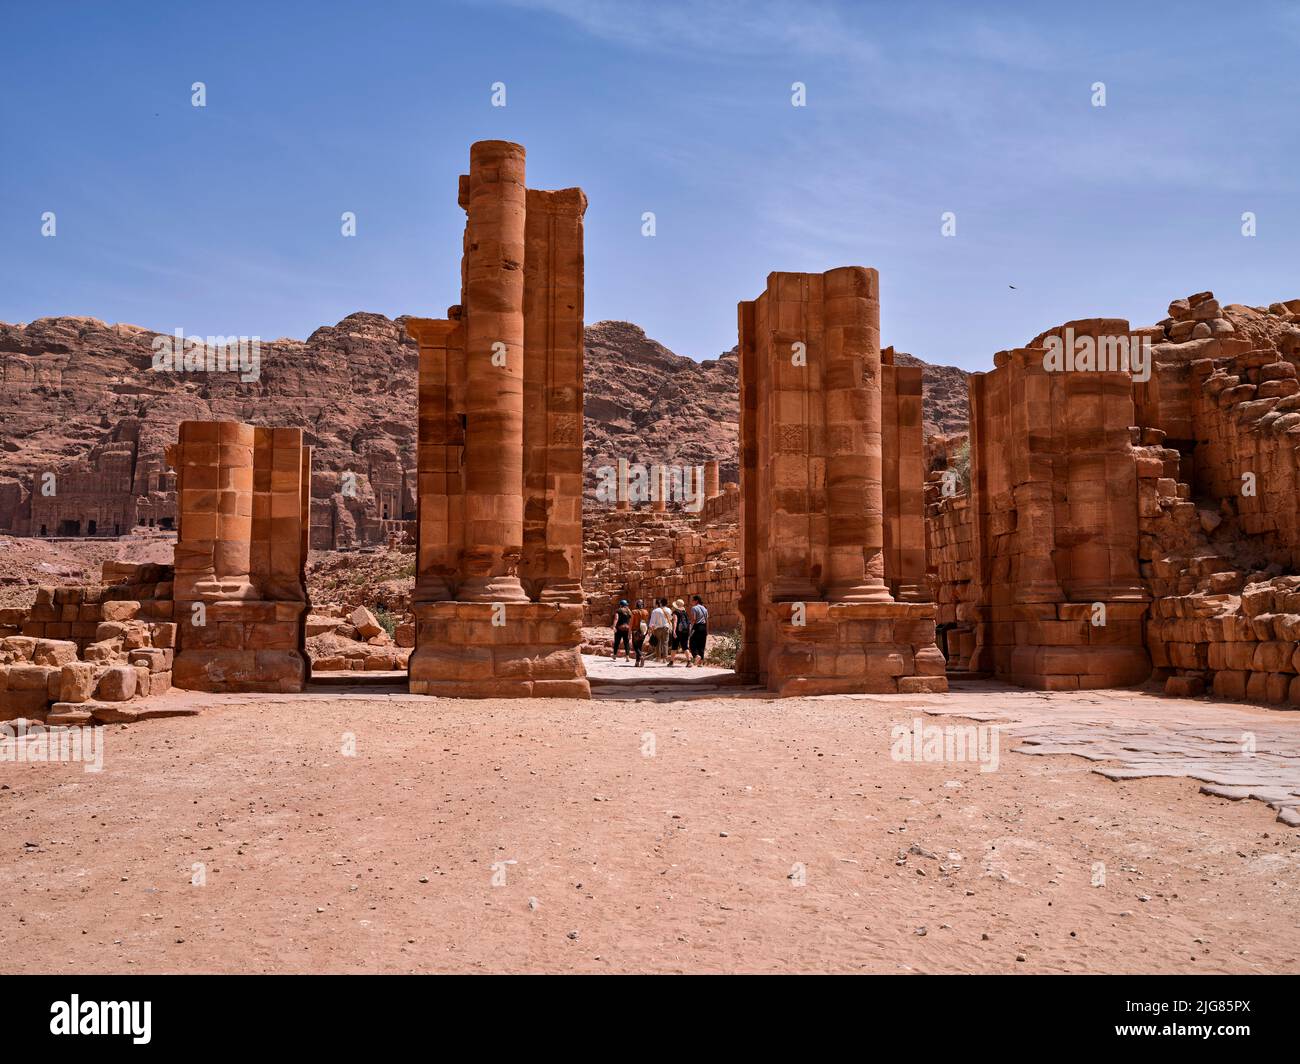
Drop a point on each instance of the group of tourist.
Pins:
(670, 631)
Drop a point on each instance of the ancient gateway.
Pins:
(832, 532)
(1125, 507)
(825, 431)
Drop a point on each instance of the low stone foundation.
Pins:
(852, 647)
(243, 646)
(498, 650)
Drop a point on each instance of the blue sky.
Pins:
(226, 219)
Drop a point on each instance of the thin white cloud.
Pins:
(730, 28)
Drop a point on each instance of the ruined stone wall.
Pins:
(643, 554)
(90, 653)
(1219, 500)
(1094, 489)
(950, 534)
(720, 509)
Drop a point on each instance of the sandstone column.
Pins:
(711, 477)
(789, 341)
(494, 393)
(854, 469)
(748, 658)
(553, 363)
(440, 500)
(658, 488)
(1035, 428)
(215, 481)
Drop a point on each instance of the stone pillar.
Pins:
(498, 597)
(1033, 476)
(624, 494)
(440, 499)
(712, 487)
(277, 514)
(239, 592)
(551, 569)
(787, 352)
(494, 375)
(810, 381)
(658, 488)
(215, 506)
(749, 663)
(904, 478)
(854, 470)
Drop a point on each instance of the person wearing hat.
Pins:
(681, 632)
(623, 630)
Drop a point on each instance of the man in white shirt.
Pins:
(660, 617)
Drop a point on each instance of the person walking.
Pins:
(699, 629)
(660, 622)
(623, 630)
(640, 627)
(681, 632)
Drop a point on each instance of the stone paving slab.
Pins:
(1234, 750)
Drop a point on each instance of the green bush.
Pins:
(387, 621)
(724, 646)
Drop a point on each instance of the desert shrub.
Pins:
(723, 648)
(387, 621)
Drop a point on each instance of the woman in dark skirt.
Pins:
(699, 629)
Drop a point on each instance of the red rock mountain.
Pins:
(83, 398)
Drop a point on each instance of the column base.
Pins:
(244, 646)
(854, 648)
(490, 589)
(492, 650)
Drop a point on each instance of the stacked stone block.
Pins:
(818, 615)
(80, 652)
(498, 597)
(240, 593)
(1054, 486)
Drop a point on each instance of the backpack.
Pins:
(683, 624)
(624, 617)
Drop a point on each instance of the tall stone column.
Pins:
(1033, 469)
(789, 339)
(440, 501)
(551, 568)
(854, 467)
(215, 505)
(658, 488)
(711, 478)
(752, 541)
(494, 393)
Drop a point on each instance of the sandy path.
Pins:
(680, 861)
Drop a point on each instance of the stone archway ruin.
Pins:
(498, 578)
(832, 540)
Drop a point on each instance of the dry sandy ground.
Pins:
(614, 856)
